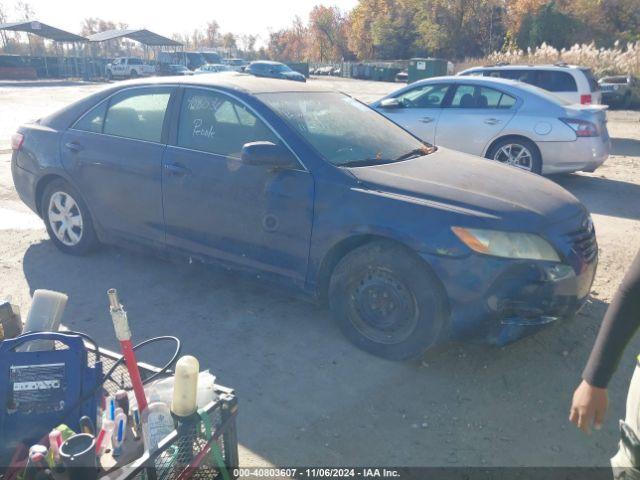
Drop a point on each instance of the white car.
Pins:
(570, 82)
(128, 67)
(508, 121)
(211, 68)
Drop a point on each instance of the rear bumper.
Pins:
(499, 301)
(583, 154)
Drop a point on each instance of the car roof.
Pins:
(463, 79)
(241, 82)
(527, 67)
(266, 62)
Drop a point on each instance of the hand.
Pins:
(588, 407)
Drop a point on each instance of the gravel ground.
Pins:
(306, 395)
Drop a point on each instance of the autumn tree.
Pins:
(328, 34)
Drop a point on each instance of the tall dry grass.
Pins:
(620, 59)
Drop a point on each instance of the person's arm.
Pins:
(620, 323)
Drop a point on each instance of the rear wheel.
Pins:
(517, 152)
(67, 219)
(385, 302)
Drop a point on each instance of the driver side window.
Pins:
(214, 123)
(425, 96)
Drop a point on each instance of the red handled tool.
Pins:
(123, 333)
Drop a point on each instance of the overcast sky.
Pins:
(177, 16)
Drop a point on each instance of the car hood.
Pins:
(481, 189)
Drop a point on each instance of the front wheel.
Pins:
(109, 75)
(386, 302)
(517, 152)
(133, 74)
(67, 219)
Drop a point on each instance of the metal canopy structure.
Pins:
(143, 36)
(43, 30)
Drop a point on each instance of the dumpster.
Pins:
(300, 67)
(420, 68)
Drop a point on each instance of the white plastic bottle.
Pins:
(157, 423)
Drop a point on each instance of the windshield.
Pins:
(344, 131)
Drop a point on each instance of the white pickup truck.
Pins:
(128, 67)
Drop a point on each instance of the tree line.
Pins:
(398, 29)
(453, 29)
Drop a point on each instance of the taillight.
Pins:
(17, 139)
(582, 128)
(585, 99)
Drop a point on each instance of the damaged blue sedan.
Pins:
(409, 244)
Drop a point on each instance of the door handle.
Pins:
(176, 169)
(74, 146)
(426, 119)
(492, 121)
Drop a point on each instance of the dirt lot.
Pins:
(306, 395)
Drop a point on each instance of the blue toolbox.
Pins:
(40, 390)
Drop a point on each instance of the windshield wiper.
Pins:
(416, 152)
(365, 162)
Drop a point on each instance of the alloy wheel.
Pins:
(65, 218)
(515, 155)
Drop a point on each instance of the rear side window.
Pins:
(93, 121)
(594, 86)
(135, 61)
(555, 81)
(525, 76)
(137, 115)
(469, 96)
(214, 123)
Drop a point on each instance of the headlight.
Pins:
(507, 244)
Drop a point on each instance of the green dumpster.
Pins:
(420, 68)
(300, 67)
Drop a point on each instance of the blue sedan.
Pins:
(409, 244)
(264, 68)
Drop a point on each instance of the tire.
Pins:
(74, 232)
(109, 75)
(496, 152)
(385, 302)
(626, 101)
(133, 74)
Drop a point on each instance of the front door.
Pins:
(419, 110)
(475, 116)
(114, 154)
(215, 205)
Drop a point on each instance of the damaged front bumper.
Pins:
(499, 301)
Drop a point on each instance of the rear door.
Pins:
(473, 117)
(114, 154)
(419, 110)
(216, 206)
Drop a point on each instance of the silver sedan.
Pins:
(505, 120)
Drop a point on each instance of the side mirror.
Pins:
(391, 103)
(266, 154)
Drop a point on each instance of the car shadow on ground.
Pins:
(629, 147)
(308, 397)
(602, 195)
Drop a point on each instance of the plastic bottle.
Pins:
(157, 423)
(185, 387)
